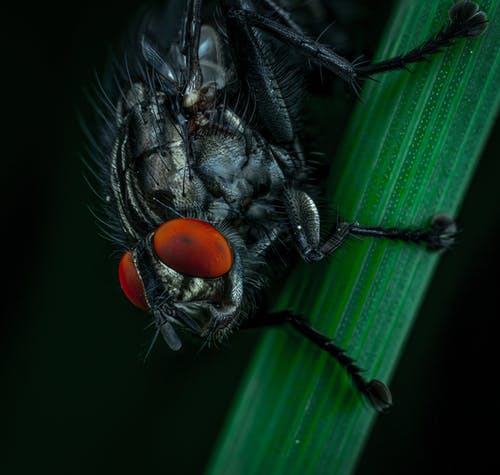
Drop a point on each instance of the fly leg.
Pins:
(190, 46)
(276, 95)
(283, 16)
(304, 219)
(375, 391)
(466, 20)
(440, 235)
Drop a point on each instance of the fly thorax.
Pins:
(164, 172)
(236, 170)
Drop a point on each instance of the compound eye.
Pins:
(131, 282)
(193, 247)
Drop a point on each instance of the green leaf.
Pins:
(409, 152)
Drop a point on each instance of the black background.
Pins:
(77, 397)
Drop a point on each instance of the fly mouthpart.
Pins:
(188, 322)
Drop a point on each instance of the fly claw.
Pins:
(200, 215)
(379, 396)
(468, 19)
(442, 233)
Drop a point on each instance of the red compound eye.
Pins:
(131, 282)
(193, 247)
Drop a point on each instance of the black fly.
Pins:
(204, 176)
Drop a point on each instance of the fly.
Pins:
(205, 178)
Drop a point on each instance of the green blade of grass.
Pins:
(409, 152)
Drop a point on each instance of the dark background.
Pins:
(76, 395)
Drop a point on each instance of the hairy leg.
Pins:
(375, 391)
